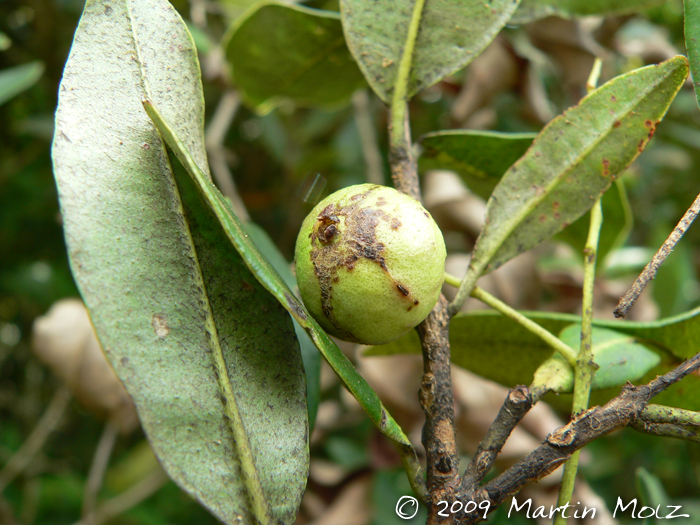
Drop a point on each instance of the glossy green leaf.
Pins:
(273, 282)
(16, 79)
(208, 356)
(620, 357)
(480, 158)
(691, 10)
(499, 349)
(574, 160)
(451, 34)
(286, 51)
(309, 354)
(530, 10)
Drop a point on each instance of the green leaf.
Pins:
(480, 158)
(208, 356)
(620, 357)
(286, 51)
(530, 10)
(691, 10)
(309, 354)
(499, 349)
(451, 34)
(271, 280)
(16, 79)
(573, 161)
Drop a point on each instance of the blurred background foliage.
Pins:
(527, 76)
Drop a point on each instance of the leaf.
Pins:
(208, 356)
(573, 161)
(302, 57)
(450, 35)
(620, 358)
(499, 349)
(691, 10)
(309, 354)
(480, 158)
(271, 280)
(530, 10)
(16, 79)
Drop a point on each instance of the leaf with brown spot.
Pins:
(565, 162)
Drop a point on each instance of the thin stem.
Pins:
(99, 466)
(595, 75)
(650, 269)
(514, 408)
(36, 440)
(669, 422)
(128, 499)
(547, 336)
(403, 163)
(664, 414)
(414, 470)
(465, 288)
(585, 367)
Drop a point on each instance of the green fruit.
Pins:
(370, 262)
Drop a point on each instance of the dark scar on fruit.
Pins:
(341, 237)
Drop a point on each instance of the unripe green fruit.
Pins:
(370, 263)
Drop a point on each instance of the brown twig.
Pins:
(438, 404)
(514, 408)
(100, 460)
(36, 440)
(650, 269)
(623, 410)
(436, 395)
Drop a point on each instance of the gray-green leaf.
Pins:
(290, 52)
(451, 34)
(480, 158)
(574, 160)
(207, 354)
(620, 358)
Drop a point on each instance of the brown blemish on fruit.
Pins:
(640, 146)
(543, 218)
(617, 124)
(555, 204)
(606, 167)
(557, 216)
(344, 235)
